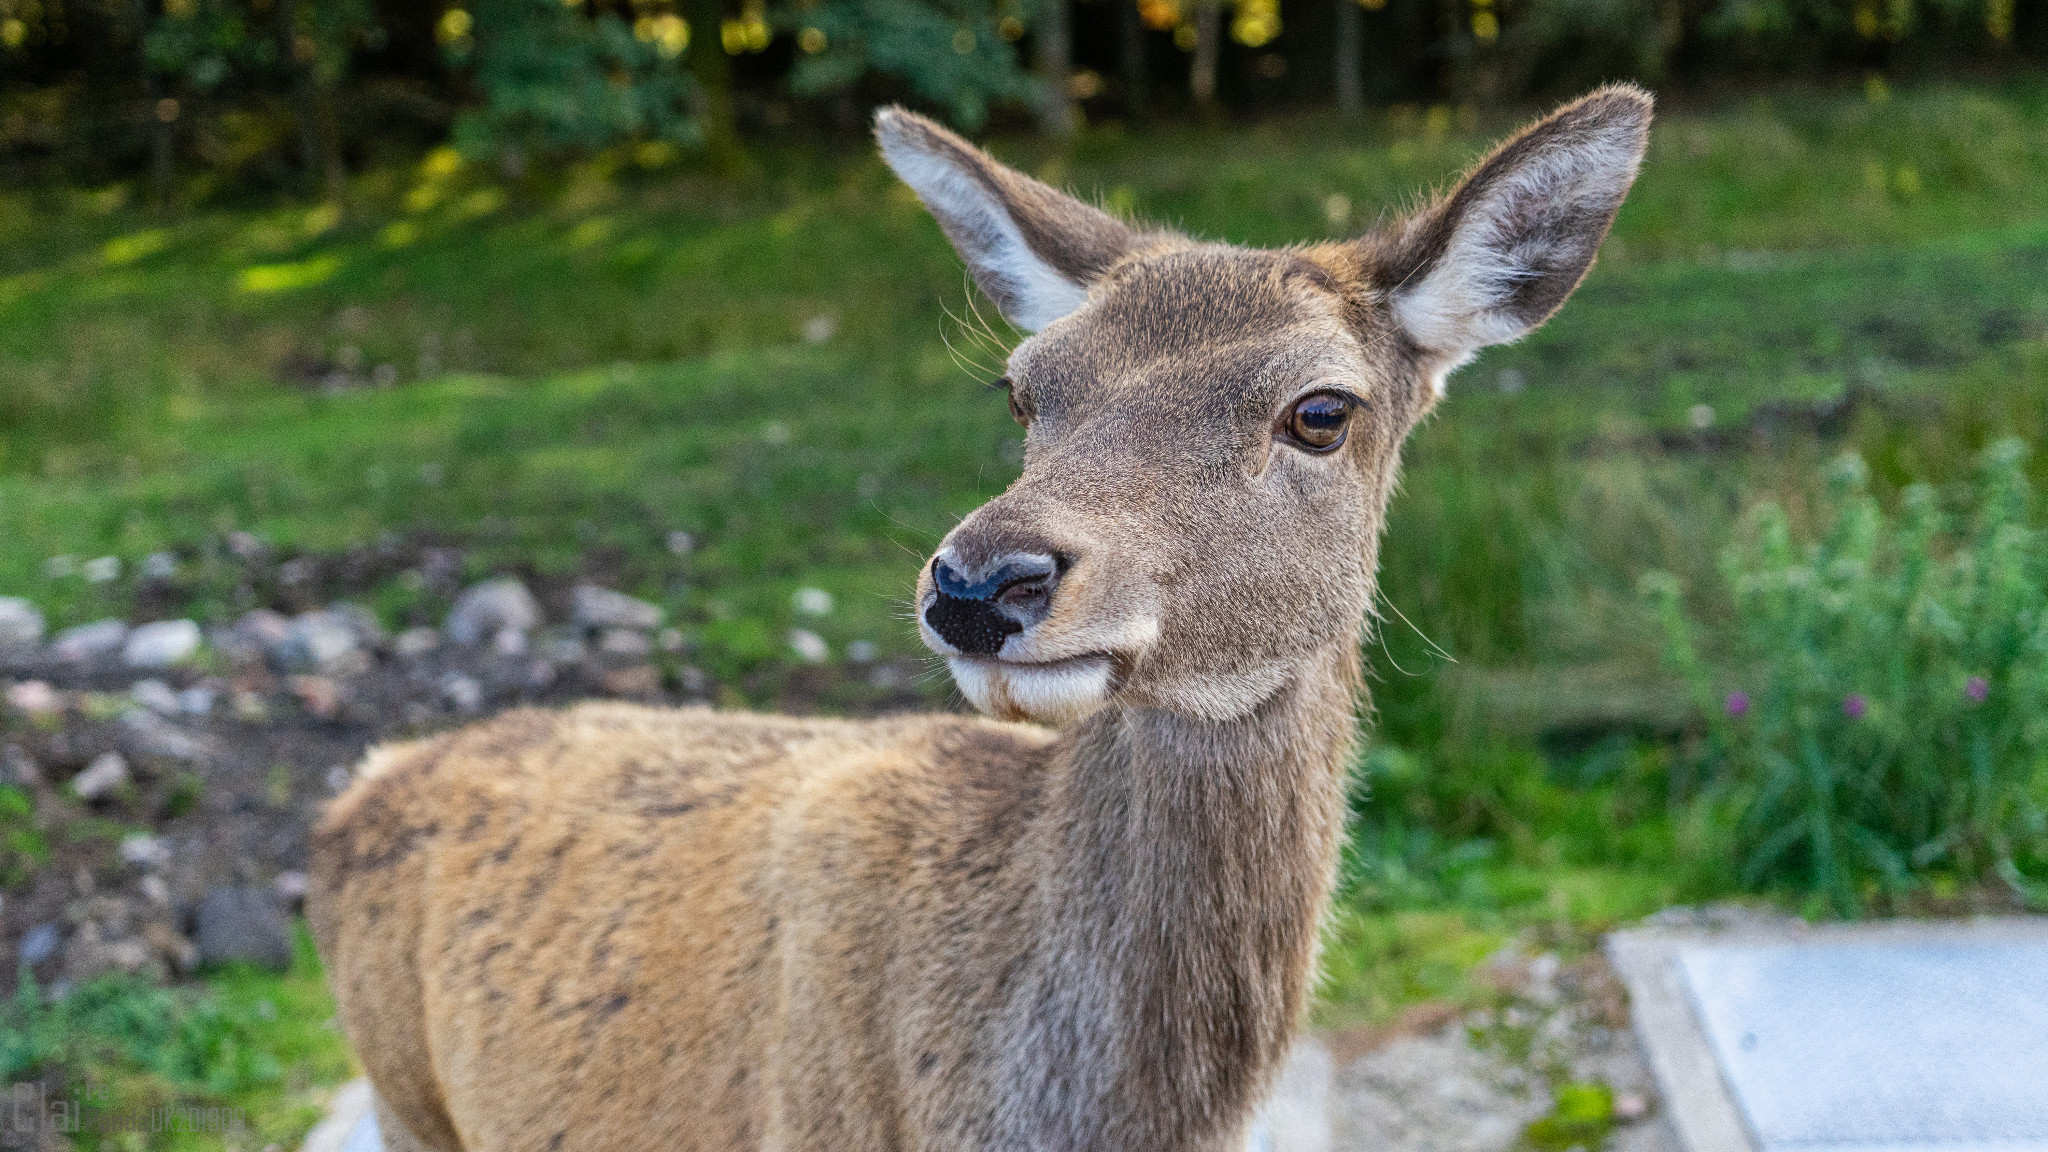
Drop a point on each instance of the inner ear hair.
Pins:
(1496, 257)
(1032, 249)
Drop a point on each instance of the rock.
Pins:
(414, 643)
(325, 641)
(157, 892)
(21, 623)
(594, 608)
(198, 700)
(142, 850)
(291, 886)
(156, 696)
(626, 643)
(638, 680)
(681, 543)
(96, 950)
(40, 943)
(318, 694)
(249, 707)
(102, 570)
(257, 634)
(161, 645)
(93, 641)
(563, 646)
(148, 734)
(169, 943)
(862, 652)
(670, 640)
(509, 642)
(492, 607)
(19, 768)
(101, 777)
(462, 692)
(338, 777)
(812, 601)
(34, 697)
(245, 924)
(809, 646)
(695, 682)
(160, 566)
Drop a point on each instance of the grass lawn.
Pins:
(790, 370)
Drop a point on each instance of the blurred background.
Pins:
(366, 367)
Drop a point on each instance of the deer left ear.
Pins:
(1034, 250)
(1497, 256)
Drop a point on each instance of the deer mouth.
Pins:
(1046, 691)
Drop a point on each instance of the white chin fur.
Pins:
(1049, 694)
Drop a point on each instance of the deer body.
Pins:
(617, 927)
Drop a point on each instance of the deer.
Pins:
(1085, 921)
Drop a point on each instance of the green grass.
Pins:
(257, 1041)
(589, 362)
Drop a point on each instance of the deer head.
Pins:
(1213, 431)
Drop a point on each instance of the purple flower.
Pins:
(1737, 703)
(1854, 706)
(1978, 689)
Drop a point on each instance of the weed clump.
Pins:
(1878, 703)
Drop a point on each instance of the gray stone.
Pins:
(262, 629)
(105, 774)
(243, 924)
(35, 697)
(414, 643)
(93, 641)
(462, 692)
(492, 607)
(592, 607)
(142, 850)
(40, 943)
(161, 645)
(198, 700)
(18, 767)
(323, 641)
(21, 623)
(626, 643)
(148, 734)
(156, 696)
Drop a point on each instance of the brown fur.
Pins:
(617, 927)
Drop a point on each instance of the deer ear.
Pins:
(1032, 249)
(1497, 256)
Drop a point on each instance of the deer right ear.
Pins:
(1033, 250)
(1497, 256)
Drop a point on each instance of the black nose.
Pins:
(977, 612)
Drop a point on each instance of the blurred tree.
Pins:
(1208, 44)
(951, 52)
(1055, 50)
(555, 79)
(1350, 65)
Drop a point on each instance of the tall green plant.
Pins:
(955, 53)
(1879, 711)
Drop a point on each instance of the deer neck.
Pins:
(1189, 863)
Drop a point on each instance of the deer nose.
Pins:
(976, 609)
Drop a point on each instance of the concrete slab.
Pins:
(1900, 1036)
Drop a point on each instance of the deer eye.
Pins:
(1018, 411)
(1318, 422)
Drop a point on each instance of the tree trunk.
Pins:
(1136, 75)
(713, 73)
(302, 89)
(161, 141)
(1054, 38)
(1350, 58)
(1208, 44)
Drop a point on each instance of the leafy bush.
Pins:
(554, 80)
(1879, 714)
(956, 54)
